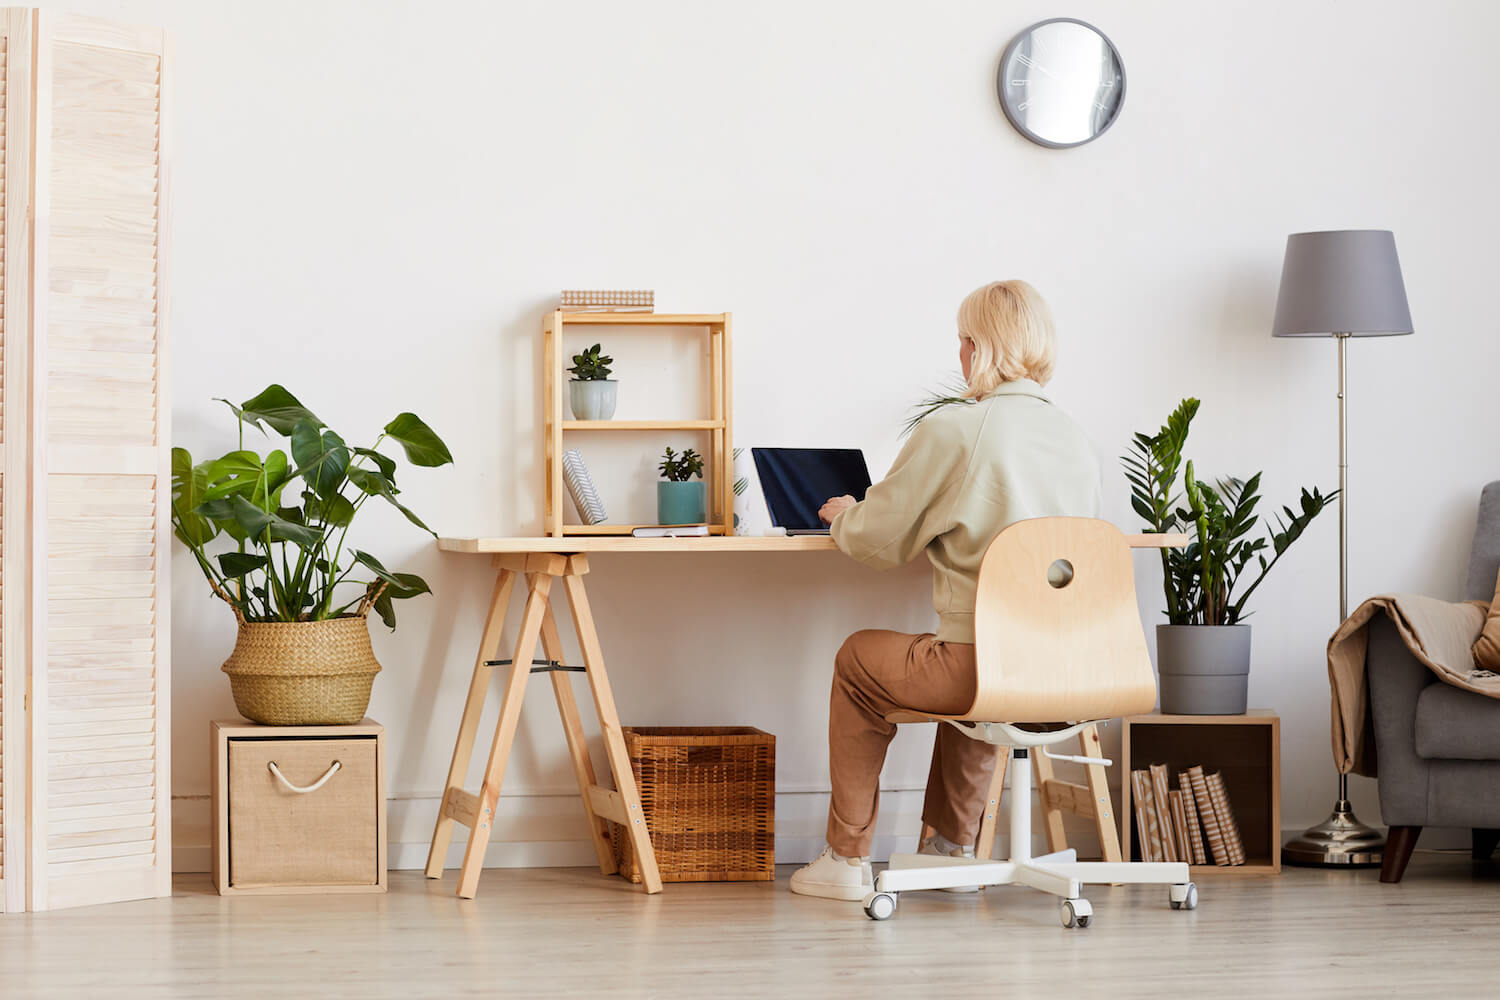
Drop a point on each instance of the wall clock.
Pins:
(1061, 83)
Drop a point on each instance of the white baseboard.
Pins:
(547, 831)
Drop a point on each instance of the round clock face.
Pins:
(1061, 83)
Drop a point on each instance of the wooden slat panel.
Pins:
(104, 174)
(101, 671)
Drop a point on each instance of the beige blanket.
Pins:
(1440, 634)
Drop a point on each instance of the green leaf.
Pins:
(322, 457)
(375, 485)
(373, 565)
(189, 485)
(237, 564)
(422, 445)
(256, 522)
(385, 464)
(275, 474)
(386, 609)
(278, 408)
(336, 510)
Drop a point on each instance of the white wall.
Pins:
(376, 201)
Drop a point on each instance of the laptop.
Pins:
(797, 482)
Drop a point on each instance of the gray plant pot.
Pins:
(592, 400)
(1204, 669)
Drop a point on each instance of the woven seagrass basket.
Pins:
(709, 795)
(302, 673)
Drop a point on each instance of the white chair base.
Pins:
(1059, 874)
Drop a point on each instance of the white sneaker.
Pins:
(931, 846)
(833, 877)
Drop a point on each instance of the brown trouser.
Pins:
(876, 673)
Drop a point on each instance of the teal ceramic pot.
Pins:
(680, 503)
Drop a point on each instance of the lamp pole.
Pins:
(1341, 839)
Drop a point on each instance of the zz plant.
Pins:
(677, 468)
(288, 515)
(1202, 582)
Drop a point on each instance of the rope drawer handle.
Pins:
(304, 789)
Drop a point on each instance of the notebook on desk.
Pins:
(797, 482)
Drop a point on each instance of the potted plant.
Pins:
(301, 597)
(1203, 653)
(591, 392)
(678, 499)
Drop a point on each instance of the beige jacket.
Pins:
(968, 471)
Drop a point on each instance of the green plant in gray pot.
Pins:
(1203, 653)
(679, 500)
(591, 392)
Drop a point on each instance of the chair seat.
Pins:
(1454, 724)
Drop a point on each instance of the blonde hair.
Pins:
(1011, 328)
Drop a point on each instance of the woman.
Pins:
(967, 472)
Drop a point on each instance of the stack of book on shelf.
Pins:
(611, 300)
(1191, 823)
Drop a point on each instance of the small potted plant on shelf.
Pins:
(1203, 653)
(591, 392)
(301, 597)
(678, 499)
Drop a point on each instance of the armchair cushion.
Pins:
(1454, 724)
(1487, 646)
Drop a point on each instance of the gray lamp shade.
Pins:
(1346, 281)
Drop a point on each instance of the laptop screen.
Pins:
(798, 481)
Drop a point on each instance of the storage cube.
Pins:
(299, 808)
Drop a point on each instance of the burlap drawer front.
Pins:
(323, 837)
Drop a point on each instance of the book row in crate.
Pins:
(1192, 823)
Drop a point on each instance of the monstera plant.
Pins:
(269, 532)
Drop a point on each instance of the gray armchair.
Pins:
(1437, 747)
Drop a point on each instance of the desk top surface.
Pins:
(711, 543)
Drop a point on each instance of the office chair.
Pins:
(1058, 638)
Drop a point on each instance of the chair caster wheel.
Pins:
(1076, 913)
(1183, 897)
(880, 905)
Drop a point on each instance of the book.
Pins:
(581, 488)
(1179, 826)
(608, 301)
(1138, 795)
(1190, 814)
(673, 531)
(1153, 842)
(1228, 828)
(1164, 813)
(1211, 831)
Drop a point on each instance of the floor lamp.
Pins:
(1341, 284)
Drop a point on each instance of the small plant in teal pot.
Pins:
(679, 500)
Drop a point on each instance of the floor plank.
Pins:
(571, 932)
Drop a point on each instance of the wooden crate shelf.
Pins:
(1246, 749)
(719, 455)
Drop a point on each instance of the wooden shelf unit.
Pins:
(719, 459)
(1246, 749)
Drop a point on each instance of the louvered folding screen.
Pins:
(85, 433)
(16, 30)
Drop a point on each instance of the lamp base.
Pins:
(1341, 840)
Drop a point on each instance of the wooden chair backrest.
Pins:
(1059, 654)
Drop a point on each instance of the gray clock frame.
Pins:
(1011, 115)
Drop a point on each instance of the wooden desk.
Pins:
(543, 562)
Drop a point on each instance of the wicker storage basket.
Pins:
(709, 795)
(303, 673)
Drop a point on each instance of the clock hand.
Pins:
(1030, 63)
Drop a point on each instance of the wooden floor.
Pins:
(571, 932)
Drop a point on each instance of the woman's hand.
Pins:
(834, 507)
